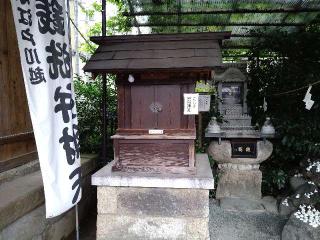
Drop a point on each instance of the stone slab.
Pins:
(19, 197)
(20, 171)
(203, 179)
(34, 225)
(238, 204)
(115, 227)
(153, 202)
(25, 193)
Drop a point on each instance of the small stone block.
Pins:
(239, 184)
(107, 200)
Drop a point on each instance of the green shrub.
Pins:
(88, 99)
(279, 63)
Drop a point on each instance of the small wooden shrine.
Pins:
(153, 72)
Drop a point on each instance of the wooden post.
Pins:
(200, 129)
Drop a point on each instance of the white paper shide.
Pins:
(42, 34)
(307, 99)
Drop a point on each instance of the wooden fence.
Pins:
(16, 137)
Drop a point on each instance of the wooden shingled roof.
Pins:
(132, 53)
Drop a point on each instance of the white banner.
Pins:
(42, 32)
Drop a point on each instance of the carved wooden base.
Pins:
(157, 169)
(156, 154)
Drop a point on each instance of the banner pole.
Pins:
(77, 223)
(104, 91)
(70, 52)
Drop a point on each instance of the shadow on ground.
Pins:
(234, 225)
(87, 228)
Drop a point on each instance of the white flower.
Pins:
(312, 165)
(308, 214)
(285, 202)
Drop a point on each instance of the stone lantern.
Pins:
(237, 146)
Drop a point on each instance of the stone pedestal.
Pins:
(154, 206)
(239, 178)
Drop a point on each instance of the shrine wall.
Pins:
(17, 144)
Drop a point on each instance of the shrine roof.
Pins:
(130, 53)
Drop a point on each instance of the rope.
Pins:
(77, 29)
(295, 90)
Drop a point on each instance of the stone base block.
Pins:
(152, 213)
(239, 184)
(141, 227)
(153, 201)
(136, 206)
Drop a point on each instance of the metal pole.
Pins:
(70, 52)
(103, 18)
(104, 118)
(77, 222)
(104, 93)
(76, 44)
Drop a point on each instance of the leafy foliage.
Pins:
(89, 108)
(279, 63)
(89, 94)
(114, 25)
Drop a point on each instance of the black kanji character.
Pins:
(26, 35)
(50, 17)
(24, 1)
(76, 184)
(59, 60)
(66, 103)
(25, 16)
(72, 152)
(31, 56)
(36, 75)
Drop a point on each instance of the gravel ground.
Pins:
(230, 225)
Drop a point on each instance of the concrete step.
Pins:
(20, 171)
(19, 196)
(24, 192)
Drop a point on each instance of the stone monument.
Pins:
(236, 145)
